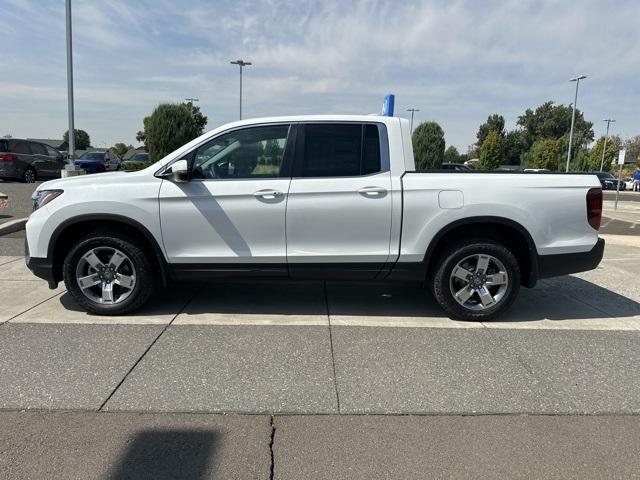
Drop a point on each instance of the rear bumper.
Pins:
(564, 264)
(40, 267)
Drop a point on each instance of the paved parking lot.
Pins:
(568, 346)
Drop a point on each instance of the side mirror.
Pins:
(180, 171)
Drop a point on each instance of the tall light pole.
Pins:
(573, 115)
(241, 63)
(412, 110)
(72, 144)
(606, 136)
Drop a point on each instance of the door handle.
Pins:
(267, 194)
(372, 191)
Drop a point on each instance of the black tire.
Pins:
(29, 175)
(141, 261)
(442, 284)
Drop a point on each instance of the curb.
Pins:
(12, 226)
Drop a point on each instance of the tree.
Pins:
(545, 153)
(554, 121)
(451, 155)
(428, 145)
(633, 148)
(514, 146)
(141, 136)
(80, 137)
(595, 156)
(170, 126)
(120, 149)
(494, 122)
(491, 151)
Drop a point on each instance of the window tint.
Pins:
(93, 156)
(51, 152)
(37, 149)
(340, 150)
(255, 152)
(371, 155)
(21, 147)
(3, 146)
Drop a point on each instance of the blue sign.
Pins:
(387, 106)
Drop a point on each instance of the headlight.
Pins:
(42, 197)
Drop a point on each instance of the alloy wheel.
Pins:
(479, 282)
(106, 275)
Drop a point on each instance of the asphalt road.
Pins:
(49, 445)
(20, 204)
(626, 196)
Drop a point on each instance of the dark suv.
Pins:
(28, 161)
(609, 182)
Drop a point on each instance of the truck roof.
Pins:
(316, 118)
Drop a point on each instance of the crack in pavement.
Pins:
(333, 359)
(197, 291)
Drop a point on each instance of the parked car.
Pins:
(140, 157)
(313, 197)
(609, 182)
(96, 161)
(628, 183)
(458, 167)
(28, 161)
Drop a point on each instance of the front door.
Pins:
(233, 209)
(339, 206)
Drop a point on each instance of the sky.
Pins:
(456, 61)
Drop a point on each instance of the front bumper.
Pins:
(40, 267)
(566, 263)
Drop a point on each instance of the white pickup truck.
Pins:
(313, 197)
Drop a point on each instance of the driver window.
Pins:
(255, 152)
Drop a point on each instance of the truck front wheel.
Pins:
(109, 274)
(476, 280)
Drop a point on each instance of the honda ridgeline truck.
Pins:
(313, 197)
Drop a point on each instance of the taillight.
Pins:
(8, 157)
(594, 207)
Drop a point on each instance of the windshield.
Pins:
(140, 157)
(92, 156)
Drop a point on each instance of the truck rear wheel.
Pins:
(476, 279)
(109, 274)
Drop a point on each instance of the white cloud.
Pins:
(458, 61)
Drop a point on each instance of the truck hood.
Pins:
(83, 180)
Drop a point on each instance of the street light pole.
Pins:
(606, 136)
(573, 115)
(241, 63)
(72, 145)
(412, 110)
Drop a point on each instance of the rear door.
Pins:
(339, 206)
(44, 165)
(23, 151)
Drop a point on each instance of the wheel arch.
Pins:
(62, 238)
(507, 232)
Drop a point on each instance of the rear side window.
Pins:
(21, 147)
(38, 149)
(339, 150)
(51, 152)
(3, 146)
